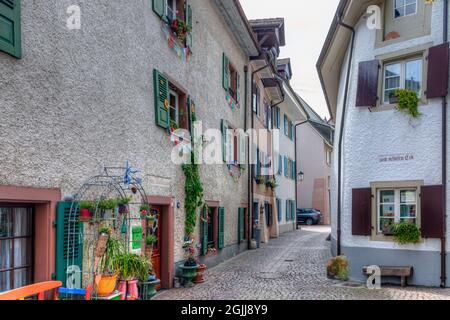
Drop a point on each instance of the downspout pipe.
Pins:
(250, 165)
(341, 134)
(249, 199)
(444, 163)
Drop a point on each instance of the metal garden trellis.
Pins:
(121, 181)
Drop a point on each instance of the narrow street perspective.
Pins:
(290, 268)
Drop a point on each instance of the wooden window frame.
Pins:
(404, 6)
(403, 55)
(182, 98)
(31, 237)
(397, 185)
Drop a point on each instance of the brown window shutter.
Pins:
(361, 212)
(437, 82)
(432, 211)
(367, 94)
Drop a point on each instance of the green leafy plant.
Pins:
(407, 101)
(114, 248)
(406, 232)
(107, 204)
(130, 266)
(144, 207)
(150, 240)
(87, 205)
(272, 183)
(337, 268)
(105, 230)
(124, 201)
(194, 196)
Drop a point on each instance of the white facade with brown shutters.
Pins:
(391, 163)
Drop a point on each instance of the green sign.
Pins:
(136, 238)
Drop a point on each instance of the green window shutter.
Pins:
(161, 92)
(10, 28)
(242, 150)
(258, 163)
(286, 124)
(288, 206)
(159, 7)
(191, 114)
(292, 132)
(238, 87)
(286, 168)
(279, 210)
(280, 164)
(204, 232)
(223, 128)
(241, 224)
(189, 40)
(293, 210)
(221, 240)
(69, 247)
(225, 72)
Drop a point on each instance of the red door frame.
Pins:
(167, 238)
(45, 201)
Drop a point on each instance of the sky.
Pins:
(307, 24)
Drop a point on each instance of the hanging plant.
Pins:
(194, 196)
(406, 232)
(407, 101)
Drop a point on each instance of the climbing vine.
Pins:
(194, 196)
(407, 101)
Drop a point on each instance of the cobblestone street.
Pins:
(289, 268)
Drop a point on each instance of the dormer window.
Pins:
(404, 8)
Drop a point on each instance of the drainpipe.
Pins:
(444, 163)
(296, 173)
(341, 135)
(250, 165)
(249, 193)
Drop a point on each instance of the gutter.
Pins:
(444, 163)
(341, 134)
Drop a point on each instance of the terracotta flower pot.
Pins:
(200, 274)
(106, 286)
(85, 215)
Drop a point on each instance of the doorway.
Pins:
(154, 228)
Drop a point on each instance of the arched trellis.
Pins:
(112, 182)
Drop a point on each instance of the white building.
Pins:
(391, 164)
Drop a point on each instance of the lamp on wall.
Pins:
(301, 176)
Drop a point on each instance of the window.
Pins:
(280, 164)
(230, 79)
(16, 253)
(403, 8)
(276, 117)
(256, 99)
(268, 115)
(279, 215)
(232, 89)
(288, 128)
(405, 74)
(328, 155)
(171, 9)
(395, 206)
(173, 108)
(211, 240)
(288, 210)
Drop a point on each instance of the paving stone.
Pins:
(291, 267)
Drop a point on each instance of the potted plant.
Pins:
(407, 101)
(144, 210)
(123, 204)
(131, 268)
(199, 278)
(150, 241)
(107, 206)
(106, 279)
(180, 28)
(406, 233)
(86, 208)
(190, 265)
(271, 183)
(337, 268)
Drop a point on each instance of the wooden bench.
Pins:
(38, 289)
(402, 272)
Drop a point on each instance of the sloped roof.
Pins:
(322, 127)
(270, 23)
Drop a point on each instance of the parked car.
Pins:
(309, 217)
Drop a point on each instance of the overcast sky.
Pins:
(307, 24)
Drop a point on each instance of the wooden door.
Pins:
(155, 229)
